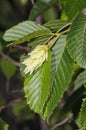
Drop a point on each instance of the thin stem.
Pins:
(53, 40)
(50, 38)
(65, 31)
(67, 25)
(7, 86)
(66, 120)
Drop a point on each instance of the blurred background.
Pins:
(15, 114)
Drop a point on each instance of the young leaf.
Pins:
(63, 72)
(25, 31)
(39, 7)
(82, 116)
(77, 40)
(37, 86)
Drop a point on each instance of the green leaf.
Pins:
(25, 31)
(55, 25)
(77, 40)
(62, 72)
(37, 86)
(8, 68)
(72, 7)
(39, 7)
(45, 87)
(82, 116)
(80, 80)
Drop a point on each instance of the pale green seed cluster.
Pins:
(35, 58)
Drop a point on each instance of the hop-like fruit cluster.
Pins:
(35, 59)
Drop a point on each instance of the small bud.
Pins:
(35, 59)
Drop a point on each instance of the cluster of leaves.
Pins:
(45, 87)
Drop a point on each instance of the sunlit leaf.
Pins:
(25, 31)
(62, 75)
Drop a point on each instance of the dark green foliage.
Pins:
(61, 78)
(77, 40)
(40, 7)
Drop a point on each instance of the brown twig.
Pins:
(11, 103)
(20, 47)
(32, 1)
(17, 91)
(10, 59)
(67, 120)
(7, 86)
